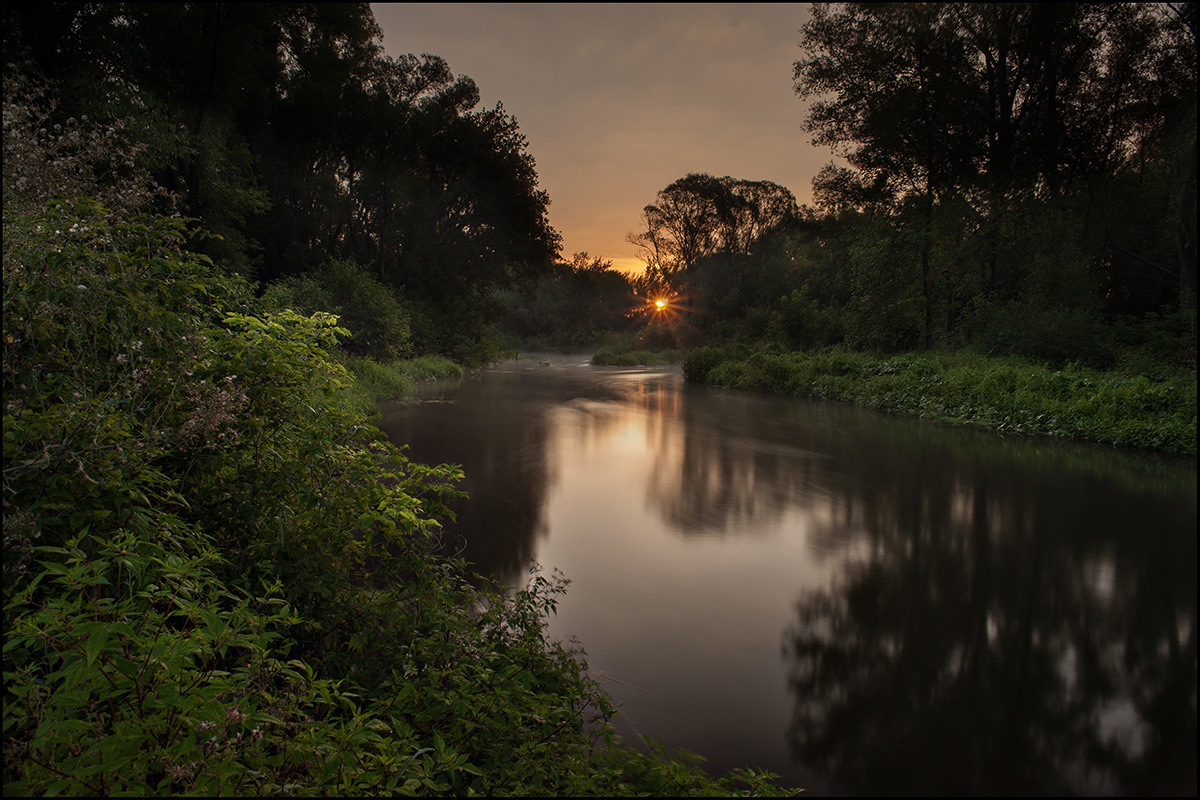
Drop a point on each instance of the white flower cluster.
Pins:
(45, 161)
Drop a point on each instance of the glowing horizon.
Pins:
(711, 85)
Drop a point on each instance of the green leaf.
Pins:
(79, 725)
(95, 645)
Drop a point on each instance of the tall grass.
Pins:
(374, 380)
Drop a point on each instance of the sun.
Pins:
(662, 307)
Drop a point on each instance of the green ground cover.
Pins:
(1154, 409)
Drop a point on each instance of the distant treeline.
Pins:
(1019, 178)
(1013, 178)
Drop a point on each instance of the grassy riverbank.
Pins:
(634, 357)
(375, 380)
(1153, 408)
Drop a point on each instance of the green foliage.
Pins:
(1007, 394)
(130, 668)
(385, 381)
(370, 311)
(634, 354)
(429, 368)
(1155, 345)
(296, 141)
(461, 330)
(51, 156)
(1057, 336)
(580, 307)
(1013, 222)
(803, 323)
(376, 381)
(698, 363)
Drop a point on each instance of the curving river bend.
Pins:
(862, 603)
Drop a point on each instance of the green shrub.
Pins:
(130, 668)
(369, 310)
(700, 361)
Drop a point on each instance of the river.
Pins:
(861, 603)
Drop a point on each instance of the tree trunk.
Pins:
(1185, 241)
(926, 280)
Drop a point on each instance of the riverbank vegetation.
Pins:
(376, 380)
(634, 354)
(1008, 237)
(1010, 395)
(219, 577)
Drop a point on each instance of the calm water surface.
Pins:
(861, 603)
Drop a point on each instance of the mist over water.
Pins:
(862, 603)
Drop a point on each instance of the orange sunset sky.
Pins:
(617, 100)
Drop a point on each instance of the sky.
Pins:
(618, 100)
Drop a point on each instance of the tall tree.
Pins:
(1049, 118)
(1175, 73)
(701, 225)
(888, 83)
(302, 142)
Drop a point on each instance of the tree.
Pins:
(1175, 72)
(299, 141)
(889, 81)
(1030, 123)
(702, 232)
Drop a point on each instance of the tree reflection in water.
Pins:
(972, 614)
(980, 637)
(976, 649)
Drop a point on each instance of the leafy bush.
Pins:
(700, 361)
(369, 310)
(131, 668)
(50, 158)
